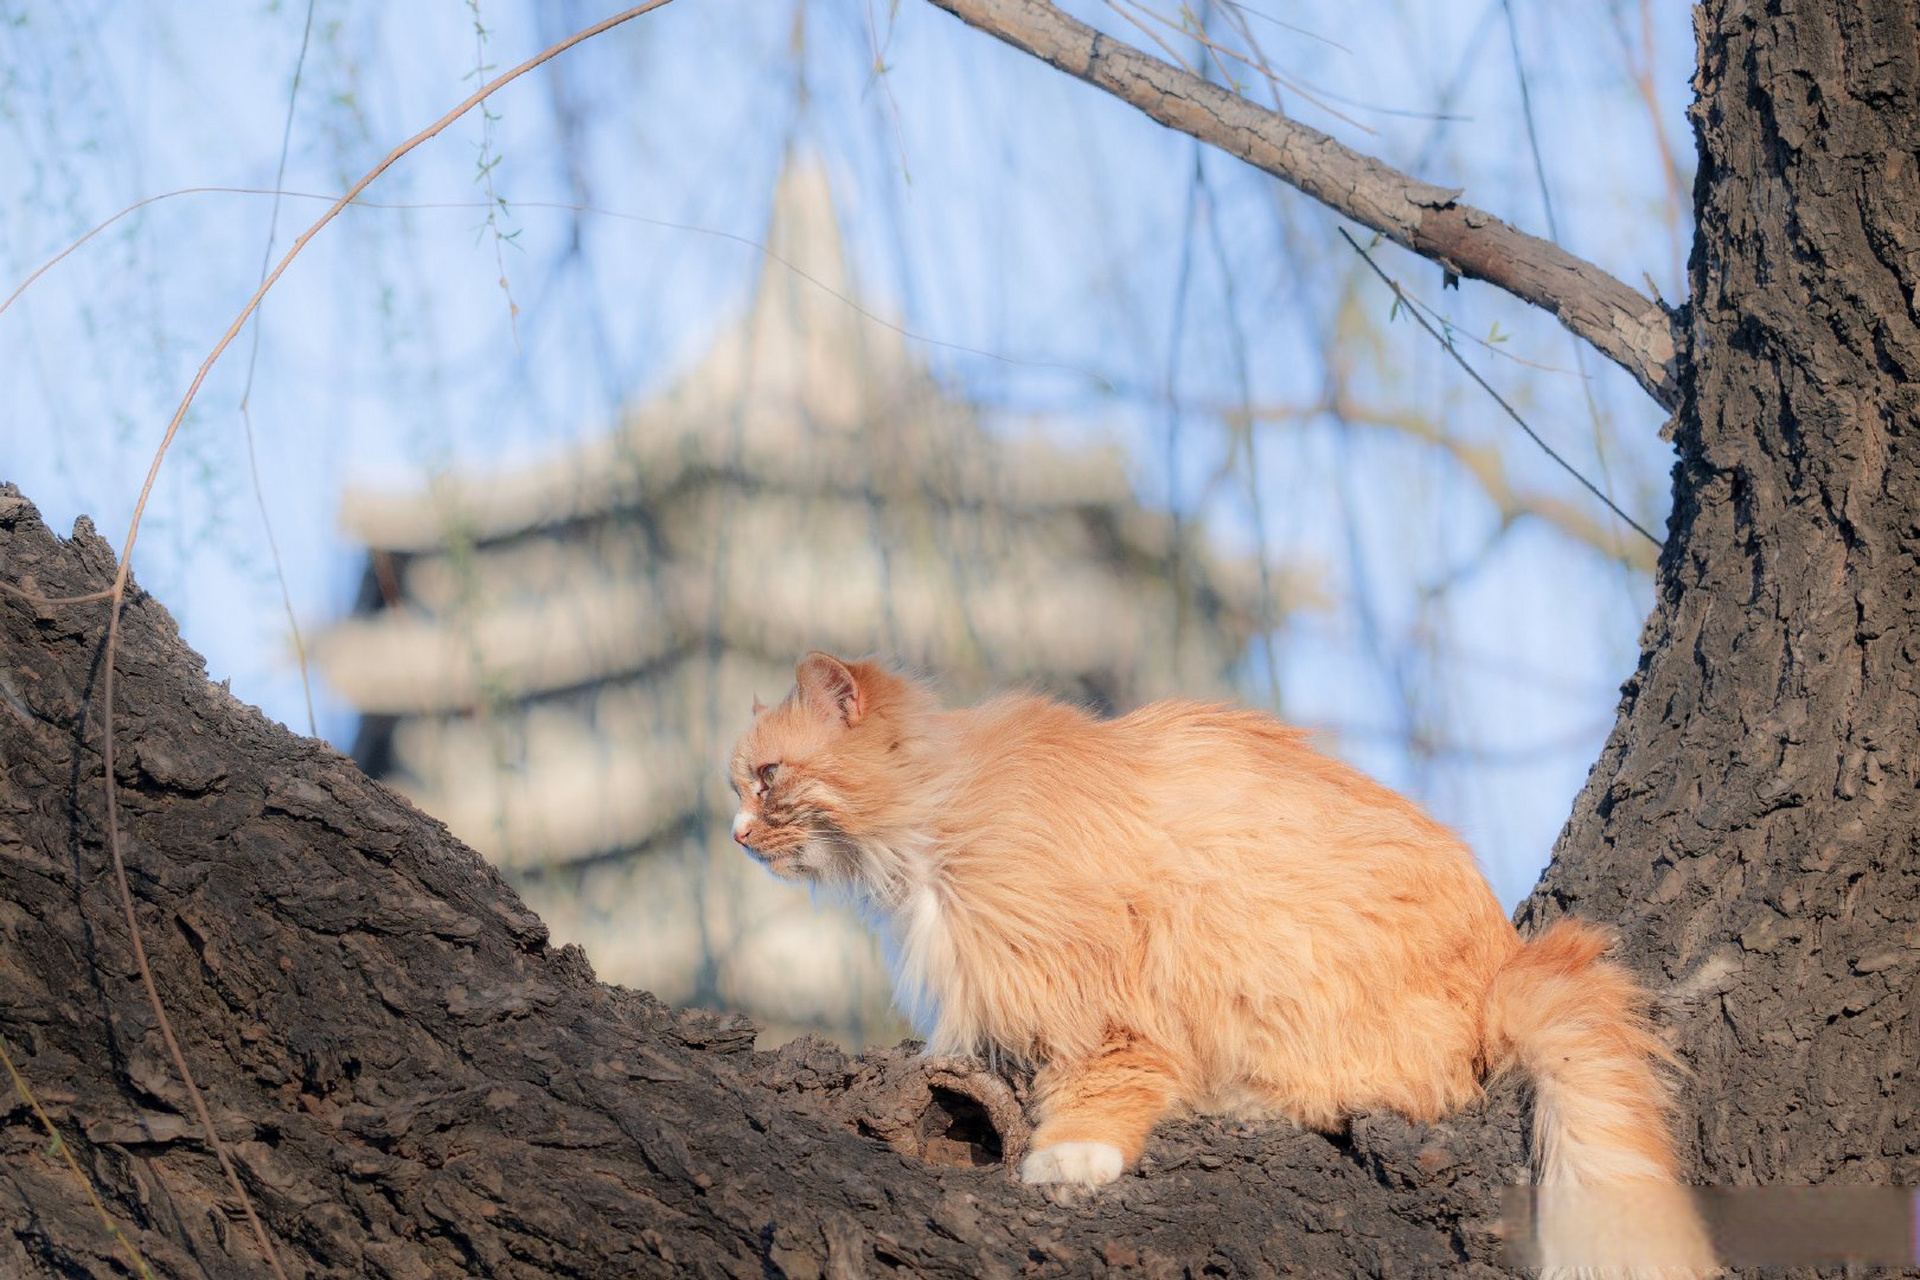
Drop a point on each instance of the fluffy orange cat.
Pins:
(1187, 908)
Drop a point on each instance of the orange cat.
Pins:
(1188, 908)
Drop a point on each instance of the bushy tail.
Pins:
(1577, 1025)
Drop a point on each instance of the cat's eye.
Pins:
(766, 775)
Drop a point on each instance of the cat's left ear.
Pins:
(828, 687)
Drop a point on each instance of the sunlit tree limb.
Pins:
(1634, 331)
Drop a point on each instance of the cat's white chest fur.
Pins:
(927, 977)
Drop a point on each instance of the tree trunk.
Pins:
(1753, 823)
(414, 1083)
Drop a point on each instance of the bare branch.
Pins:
(1629, 328)
(1485, 464)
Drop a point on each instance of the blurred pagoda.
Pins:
(555, 660)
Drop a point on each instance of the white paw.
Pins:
(1085, 1164)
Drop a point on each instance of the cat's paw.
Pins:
(1078, 1165)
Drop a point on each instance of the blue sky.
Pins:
(1060, 243)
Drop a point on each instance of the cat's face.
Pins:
(805, 785)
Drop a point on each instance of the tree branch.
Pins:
(1485, 464)
(1629, 328)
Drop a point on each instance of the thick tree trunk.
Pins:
(1754, 822)
(414, 1083)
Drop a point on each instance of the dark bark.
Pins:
(1753, 823)
(416, 1083)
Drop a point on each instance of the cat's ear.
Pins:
(759, 707)
(827, 687)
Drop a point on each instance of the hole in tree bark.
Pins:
(956, 1131)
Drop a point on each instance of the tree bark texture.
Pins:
(414, 1083)
(1753, 824)
(1623, 324)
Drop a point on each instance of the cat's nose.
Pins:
(742, 828)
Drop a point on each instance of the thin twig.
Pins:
(1199, 34)
(1238, 22)
(51, 602)
(1484, 344)
(663, 223)
(1641, 70)
(1526, 113)
(1481, 462)
(1243, 381)
(1553, 230)
(246, 392)
(1486, 386)
(1151, 35)
(1287, 26)
(488, 162)
(126, 564)
(61, 1145)
(879, 73)
(1633, 330)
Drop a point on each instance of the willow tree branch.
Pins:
(1634, 331)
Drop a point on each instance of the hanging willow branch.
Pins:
(1626, 326)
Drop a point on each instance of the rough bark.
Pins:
(1754, 821)
(1626, 326)
(415, 1083)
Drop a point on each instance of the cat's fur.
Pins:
(1189, 908)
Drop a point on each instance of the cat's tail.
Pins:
(1605, 1170)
